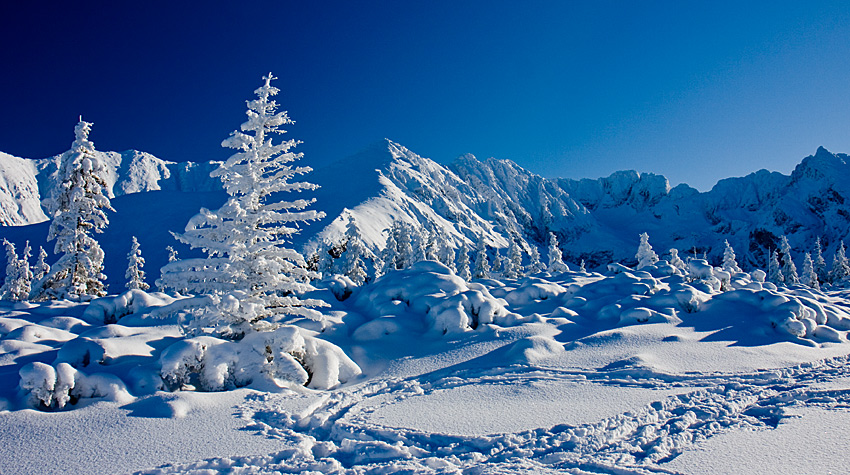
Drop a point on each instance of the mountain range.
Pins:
(596, 220)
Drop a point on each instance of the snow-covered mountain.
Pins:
(25, 182)
(595, 220)
(598, 220)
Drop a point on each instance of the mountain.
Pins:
(25, 182)
(596, 220)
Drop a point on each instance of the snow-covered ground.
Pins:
(629, 372)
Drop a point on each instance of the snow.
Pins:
(664, 369)
(629, 372)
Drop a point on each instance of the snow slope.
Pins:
(632, 372)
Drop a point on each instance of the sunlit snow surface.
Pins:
(634, 372)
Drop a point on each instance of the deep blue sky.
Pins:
(696, 91)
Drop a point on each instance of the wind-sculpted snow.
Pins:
(423, 372)
(339, 433)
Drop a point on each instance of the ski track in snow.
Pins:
(336, 435)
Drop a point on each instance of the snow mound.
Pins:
(263, 360)
(429, 294)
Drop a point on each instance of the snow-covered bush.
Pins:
(46, 387)
(263, 360)
(429, 293)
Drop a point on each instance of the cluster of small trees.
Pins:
(406, 245)
(78, 207)
(781, 269)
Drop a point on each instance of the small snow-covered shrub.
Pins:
(46, 387)
(264, 360)
(81, 351)
(185, 359)
(111, 309)
(447, 303)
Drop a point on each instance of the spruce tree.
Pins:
(389, 255)
(482, 264)
(729, 263)
(405, 246)
(819, 262)
(252, 279)
(447, 254)
(514, 261)
(645, 255)
(41, 267)
(11, 271)
(432, 251)
(809, 276)
(556, 259)
(840, 266)
(77, 207)
(135, 262)
(675, 260)
(463, 262)
(352, 258)
(534, 264)
(789, 270)
(774, 269)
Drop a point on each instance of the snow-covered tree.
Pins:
(77, 207)
(774, 269)
(406, 253)
(819, 262)
(556, 259)
(250, 277)
(534, 264)
(389, 256)
(645, 255)
(352, 258)
(135, 262)
(432, 250)
(417, 243)
(809, 277)
(789, 270)
(729, 263)
(675, 260)
(447, 255)
(41, 267)
(463, 262)
(16, 285)
(581, 267)
(512, 266)
(840, 266)
(482, 264)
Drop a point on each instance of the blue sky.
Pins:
(696, 91)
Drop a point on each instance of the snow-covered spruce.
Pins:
(645, 255)
(134, 274)
(19, 276)
(482, 263)
(556, 258)
(252, 278)
(77, 207)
